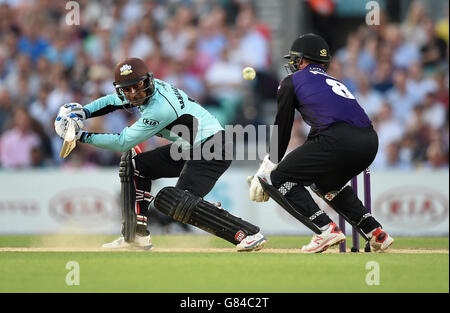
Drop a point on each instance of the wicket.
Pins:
(367, 204)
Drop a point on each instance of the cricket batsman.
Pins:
(340, 145)
(163, 109)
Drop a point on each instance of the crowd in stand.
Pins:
(397, 71)
(399, 74)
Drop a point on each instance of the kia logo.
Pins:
(412, 207)
(86, 206)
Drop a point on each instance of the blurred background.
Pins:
(397, 68)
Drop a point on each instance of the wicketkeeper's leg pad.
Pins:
(187, 208)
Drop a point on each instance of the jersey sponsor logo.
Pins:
(150, 122)
(125, 70)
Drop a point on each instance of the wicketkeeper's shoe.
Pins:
(329, 237)
(140, 243)
(380, 240)
(252, 243)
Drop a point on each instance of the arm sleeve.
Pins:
(103, 105)
(284, 120)
(131, 136)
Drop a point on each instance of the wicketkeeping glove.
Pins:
(256, 191)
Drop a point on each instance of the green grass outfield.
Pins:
(205, 264)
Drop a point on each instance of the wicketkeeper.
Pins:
(340, 145)
(163, 109)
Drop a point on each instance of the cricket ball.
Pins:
(249, 73)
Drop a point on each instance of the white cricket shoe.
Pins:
(252, 243)
(140, 243)
(379, 240)
(329, 237)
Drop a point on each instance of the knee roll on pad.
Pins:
(187, 208)
(176, 203)
(126, 169)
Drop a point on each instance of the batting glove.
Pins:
(62, 123)
(72, 108)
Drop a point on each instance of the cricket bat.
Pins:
(69, 140)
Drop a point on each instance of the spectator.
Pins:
(436, 157)
(336, 70)
(142, 43)
(210, 41)
(389, 130)
(173, 39)
(40, 111)
(5, 109)
(5, 66)
(369, 98)
(224, 83)
(45, 63)
(352, 49)
(401, 100)
(32, 43)
(254, 48)
(403, 52)
(442, 26)
(97, 43)
(434, 111)
(132, 11)
(393, 159)
(442, 93)
(157, 63)
(196, 62)
(412, 27)
(434, 51)
(17, 143)
(382, 77)
(407, 149)
(418, 85)
(419, 130)
(22, 82)
(368, 54)
(182, 78)
(59, 51)
(59, 95)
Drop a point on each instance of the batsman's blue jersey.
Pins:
(322, 101)
(167, 107)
